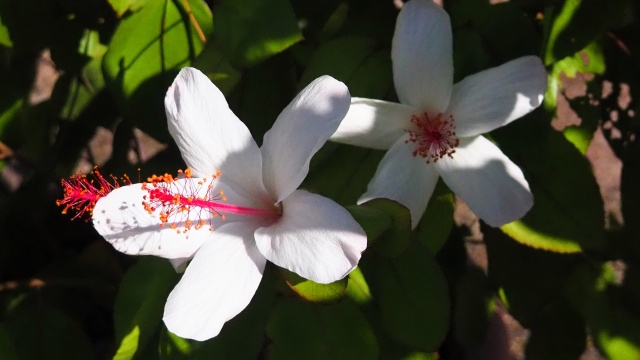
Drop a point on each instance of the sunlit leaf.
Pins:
(140, 303)
(336, 331)
(139, 69)
(577, 23)
(173, 347)
(312, 291)
(122, 6)
(357, 287)
(5, 39)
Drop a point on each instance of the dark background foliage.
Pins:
(82, 84)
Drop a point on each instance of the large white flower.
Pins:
(266, 218)
(435, 131)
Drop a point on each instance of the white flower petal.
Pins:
(494, 187)
(210, 136)
(494, 97)
(315, 238)
(122, 220)
(422, 56)
(374, 124)
(404, 178)
(217, 285)
(301, 130)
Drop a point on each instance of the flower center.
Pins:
(81, 192)
(435, 137)
(186, 202)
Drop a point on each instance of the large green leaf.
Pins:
(140, 303)
(139, 68)
(374, 221)
(413, 297)
(568, 214)
(310, 331)
(396, 238)
(251, 31)
(122, 6)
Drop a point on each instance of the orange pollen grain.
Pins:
(434, 137)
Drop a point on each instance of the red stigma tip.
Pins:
(81, 192)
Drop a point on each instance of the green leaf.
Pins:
(9, 115)
(567, 215)
(579, 23)
(79, 89)
(374, 221)
(437, 221)
(251, 31)
(413, 297)
(588, 60)
(139, 69)
(312, 291)
(7, 349)
(40, 331)
(396, 238)
(352, 60)
(5, 38)
(122, 6)
(215, 64)
(344, 173)
(140, 303)
(336, 331)
(357, 287)
(173, 347)
(615, 331)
